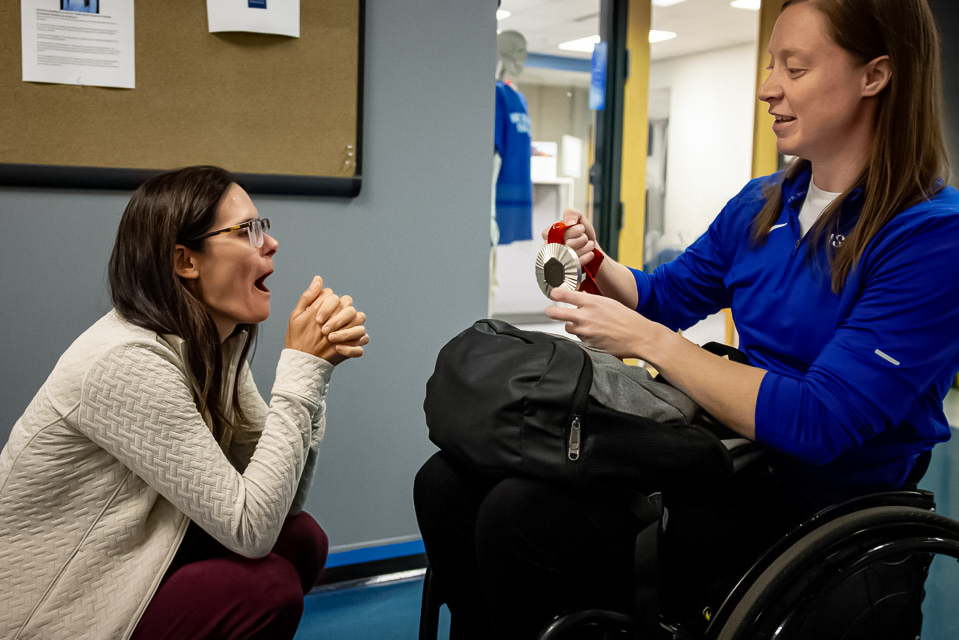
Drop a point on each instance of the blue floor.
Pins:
(940, 615)
(390, 611)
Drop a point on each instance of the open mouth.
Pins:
(261, 283)
(781, 119)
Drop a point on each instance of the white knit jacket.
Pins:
(111, 460)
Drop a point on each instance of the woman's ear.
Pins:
(877, 76)
(184, 263)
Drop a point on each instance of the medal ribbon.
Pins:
(556, 236)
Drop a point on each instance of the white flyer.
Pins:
(281, 17)
(84, 42)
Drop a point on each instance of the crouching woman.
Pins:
(148, 491)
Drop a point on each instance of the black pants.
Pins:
(511, 554)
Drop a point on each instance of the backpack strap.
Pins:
(725, 351)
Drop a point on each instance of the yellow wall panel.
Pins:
(635, 134)
(765, 156)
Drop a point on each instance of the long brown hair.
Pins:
(169, 209)
(908, 162)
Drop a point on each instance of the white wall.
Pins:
(711, 101)
(558, 110)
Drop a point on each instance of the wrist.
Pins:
(603, 272)
(654, 343)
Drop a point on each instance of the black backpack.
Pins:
(508, 401)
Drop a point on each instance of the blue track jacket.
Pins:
(856, 381)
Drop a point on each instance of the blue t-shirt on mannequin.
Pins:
(514, 188)
(513, 192)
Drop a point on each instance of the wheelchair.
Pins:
(852, 571)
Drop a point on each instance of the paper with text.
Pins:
(82, 42)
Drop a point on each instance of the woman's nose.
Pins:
(270, 244)
(770, 88)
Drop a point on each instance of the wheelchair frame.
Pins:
(824, 550)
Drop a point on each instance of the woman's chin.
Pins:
(257, 313)
(261, 307)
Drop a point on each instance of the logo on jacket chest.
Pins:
(521, 121)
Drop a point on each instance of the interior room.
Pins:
(403, 222)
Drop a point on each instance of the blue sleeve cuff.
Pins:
(642, 286)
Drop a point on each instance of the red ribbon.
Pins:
(556, 235)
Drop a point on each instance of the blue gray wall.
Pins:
(412, 249)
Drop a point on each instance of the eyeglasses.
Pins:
(255, 229)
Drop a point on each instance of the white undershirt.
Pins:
(816, 202)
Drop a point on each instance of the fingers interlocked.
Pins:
(327, 325)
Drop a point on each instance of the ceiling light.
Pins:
(502, 14)
(586, 45)
(583, 45)
(752, 5)
(666, 3)
(660, 36)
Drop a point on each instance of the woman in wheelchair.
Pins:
(839, 271)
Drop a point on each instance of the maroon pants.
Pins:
(211, 592)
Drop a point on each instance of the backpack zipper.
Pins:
(574, 434)
(580, 398)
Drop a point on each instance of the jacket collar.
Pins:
(794, 194)
(231, 349)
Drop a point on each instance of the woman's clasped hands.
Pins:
(326, 325)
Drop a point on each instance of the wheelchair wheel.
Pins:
(859, 576)
(594, 624)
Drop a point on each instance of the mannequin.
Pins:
(510, 54)
(512, 210)
(514, 189)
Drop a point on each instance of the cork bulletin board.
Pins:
(284, 114)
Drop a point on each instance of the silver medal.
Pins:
(557, 266)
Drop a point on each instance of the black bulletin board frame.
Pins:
(65, 176)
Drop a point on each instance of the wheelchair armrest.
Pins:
(744, 452)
